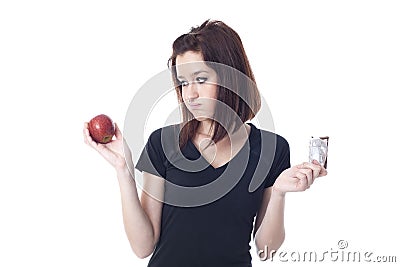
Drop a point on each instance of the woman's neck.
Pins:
(205, 128)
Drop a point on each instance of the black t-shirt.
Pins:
(208, 213)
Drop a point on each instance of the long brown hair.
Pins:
(218, 43)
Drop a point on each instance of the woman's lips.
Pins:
(195, 105)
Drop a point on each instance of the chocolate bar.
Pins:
(318, 150)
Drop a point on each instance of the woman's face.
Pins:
(199, 85)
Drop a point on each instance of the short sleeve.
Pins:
(281, 161)
(152, 158)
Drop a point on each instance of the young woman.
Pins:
(180, 219)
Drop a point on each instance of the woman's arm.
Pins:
(142, 218)
(269, 230)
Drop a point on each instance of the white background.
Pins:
(324, 67)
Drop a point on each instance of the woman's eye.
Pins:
(201, 80)
(184, 83)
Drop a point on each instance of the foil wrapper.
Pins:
(318, 150)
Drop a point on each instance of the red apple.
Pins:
(101, 129)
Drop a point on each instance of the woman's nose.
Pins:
(192, 91)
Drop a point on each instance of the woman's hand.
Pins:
(299, 177)
(113, 151)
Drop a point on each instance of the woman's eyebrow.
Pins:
(193, 74)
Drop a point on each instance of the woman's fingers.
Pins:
(299, 177)
(303, 182)
(88, 139)
(307, 172)
(118, 133)
(86, 135)
(85, 125)
(112, 151)
(309, 175)
(323, 171)
(316, 168)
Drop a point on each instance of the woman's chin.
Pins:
(202, 118)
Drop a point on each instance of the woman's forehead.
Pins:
(192, 69)
(189, 63)
(189, 56)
